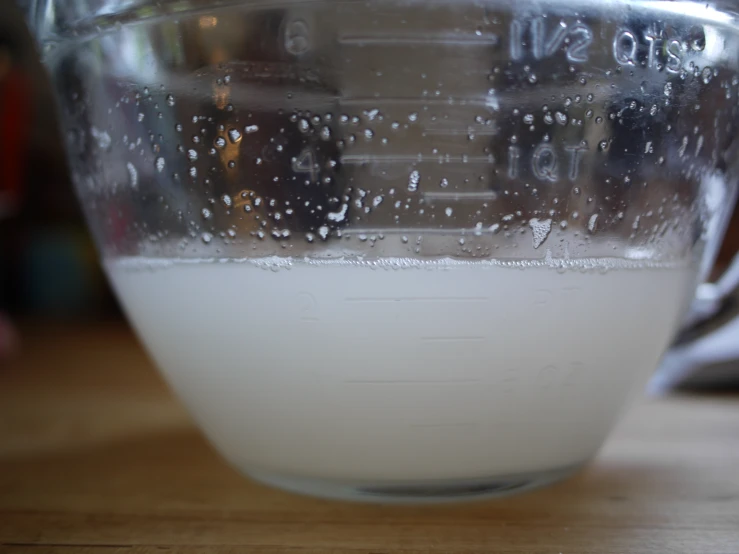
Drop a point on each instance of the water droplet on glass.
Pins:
(206, 237)
(323, 232)
(413, 179)
(368, 134)
(540, 230)
(592, 222)
(192, 155)
(102, 138)
(220, 142)
(159, 164)
(448, 211)
(170, 100)
(206, 213)
(413, 117)
(234, 136)
(133, 175)
(249, 129)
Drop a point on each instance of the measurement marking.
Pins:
(450, 39)
(481, 195)
(452, 425)
(455, 132)
(409, 381)
(452, 339)
(361, 159)
(380, 300)
(413, 102)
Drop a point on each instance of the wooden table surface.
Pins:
(96, 456)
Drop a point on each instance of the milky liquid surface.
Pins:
(402, 370)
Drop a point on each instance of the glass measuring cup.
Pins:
(401, 250)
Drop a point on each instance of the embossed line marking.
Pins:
(471, 195)
(383, 299)
(411, 101)
(360, 159)
(458, 131)
(410, 381)
(459, 424)
(441, 39)
(452, 339)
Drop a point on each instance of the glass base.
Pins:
(415, 492)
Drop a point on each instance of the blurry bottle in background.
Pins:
(48, 266)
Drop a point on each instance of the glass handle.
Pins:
(710, 338)
(714, 306)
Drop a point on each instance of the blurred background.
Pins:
(48, 265)
(42, 233)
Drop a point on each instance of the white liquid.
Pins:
(447, 371)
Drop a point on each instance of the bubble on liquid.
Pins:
(249, 129)
(206, 237)
(413, 179)
(592, 222)
(234, 136)
(170, 100)
(220, 142)
(540, 230)
(159, 164)
(133, 175)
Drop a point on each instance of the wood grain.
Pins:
(97, 457)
